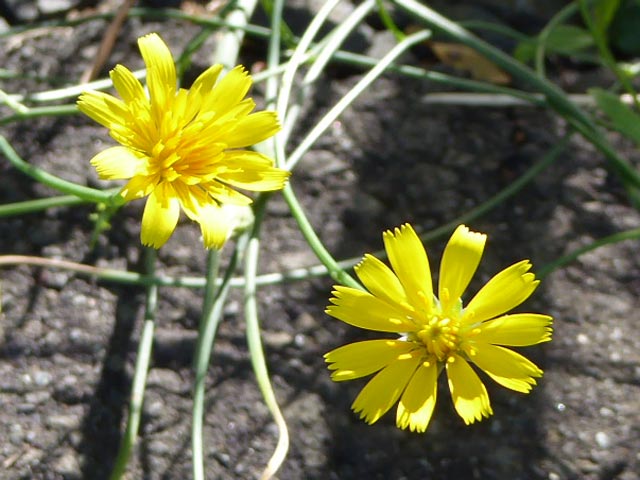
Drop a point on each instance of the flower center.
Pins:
(440, 336)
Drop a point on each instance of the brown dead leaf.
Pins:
(464, 58)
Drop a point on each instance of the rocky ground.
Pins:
(67, 343)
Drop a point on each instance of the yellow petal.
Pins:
(160, 216)
(363, 310)
(215, 226)
(252, 171)
(252, 129)
(410, 263)
(229, 91)
(215, 222)
(506, 290)
(383, 390)
(469, 395)
(205, 82)
(519, 330)
(380, 280)
(223, 194)
(459, 262)
(508, 368)
(161, 71)
(128, 86)
(138, 187)
(116, 163)
(364, 358)
(419, 398)
(103, 108)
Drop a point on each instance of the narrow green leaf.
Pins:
(622, 117)
(564, 40)
(603, 13)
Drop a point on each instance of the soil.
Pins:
(68, 343)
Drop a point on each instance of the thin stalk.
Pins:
(211, 314)
(228, 46)
(33, 206)
(327, 120)
(605, 52)
(326, 51)
(143, 360)
(632, 234)
(297, 274)
(288, 77)
(333, 267)
(556, 98)
(36, 112)
(85, 193)
(148, 13)
(226, 53)
(560, 17)
(258, 360)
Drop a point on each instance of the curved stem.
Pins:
(258, 360)
(556, 98)
(336, 272)
(347, 99)
(85, 193)
(32, 206)
(143, 359)
(632, 234)
(211, 314)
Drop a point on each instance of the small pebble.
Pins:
(602, 439)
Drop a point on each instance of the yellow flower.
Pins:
(436, 332)
(183, 148)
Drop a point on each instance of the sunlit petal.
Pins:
(469, 395)
(215, 226)
(103, 108)
(409, 261)
(252, 171)
(459, 262)
(160, 216)
(116, 163)
(380, 280)
(253, 129)
(506, 290)
(518, 330)
(128, 86)
(361, 309)
(360, 359)
(383, 390)
(508, 368)
(419, 398)
(161, 71)
(229, 91)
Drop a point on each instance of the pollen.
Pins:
(440, 336)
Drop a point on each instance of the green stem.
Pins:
(85, 193)
(258, 360)
(301, 273)
(211, 314)
(32, 206)
(556, 98)
(599, 35)
(347, 99)
(570, 257)
(560, 17)
(337, 273)
(143, 360)
(36, 112)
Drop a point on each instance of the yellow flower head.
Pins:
(436, 332)
(183, 149)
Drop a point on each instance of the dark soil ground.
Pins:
(67, 343)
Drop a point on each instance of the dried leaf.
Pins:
(464, 58)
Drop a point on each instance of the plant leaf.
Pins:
(622, 117)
